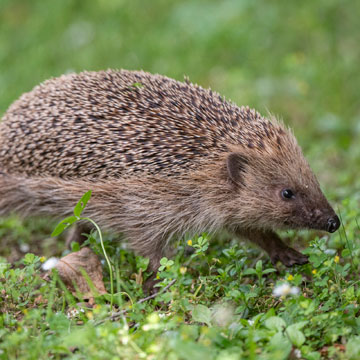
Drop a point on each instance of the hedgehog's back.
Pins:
(109, 124)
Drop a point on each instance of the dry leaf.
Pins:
(324, 351)
(71, 267)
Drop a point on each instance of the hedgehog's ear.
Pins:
(236, 164)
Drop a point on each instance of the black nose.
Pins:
(333, 224)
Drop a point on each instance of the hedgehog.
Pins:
(163, 158)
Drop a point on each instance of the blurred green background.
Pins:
(298, 60)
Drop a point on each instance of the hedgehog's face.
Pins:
(279, 195)
(305, 206)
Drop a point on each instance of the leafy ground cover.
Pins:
(223, 301)
(299, 60)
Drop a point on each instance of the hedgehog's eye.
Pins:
(287, 194)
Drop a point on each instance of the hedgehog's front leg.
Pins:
(143, 244)
(276, 248)
(151, 281)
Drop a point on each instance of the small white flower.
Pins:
(24, 248)
(297, 353)
(294, 290)
(330, 251)
(251, 322)
(125, 339)
(72, 313)
(49, 263)
(285, 289)
(282, 290)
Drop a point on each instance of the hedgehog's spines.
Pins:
(152, 128)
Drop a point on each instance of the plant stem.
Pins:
(107, 260)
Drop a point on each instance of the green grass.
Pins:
(298, 60)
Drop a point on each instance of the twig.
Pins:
(171, 283)
(116, 315)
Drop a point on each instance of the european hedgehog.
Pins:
(163, 158)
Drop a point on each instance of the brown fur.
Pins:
(163, 158)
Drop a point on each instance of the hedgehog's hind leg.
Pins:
(275, 247)
(76, 233)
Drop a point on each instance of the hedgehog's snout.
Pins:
(333, 223)
(325, 220)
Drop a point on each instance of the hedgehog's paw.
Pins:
(149, 285)
(289, 257)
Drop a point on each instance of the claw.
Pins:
(289, 257)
